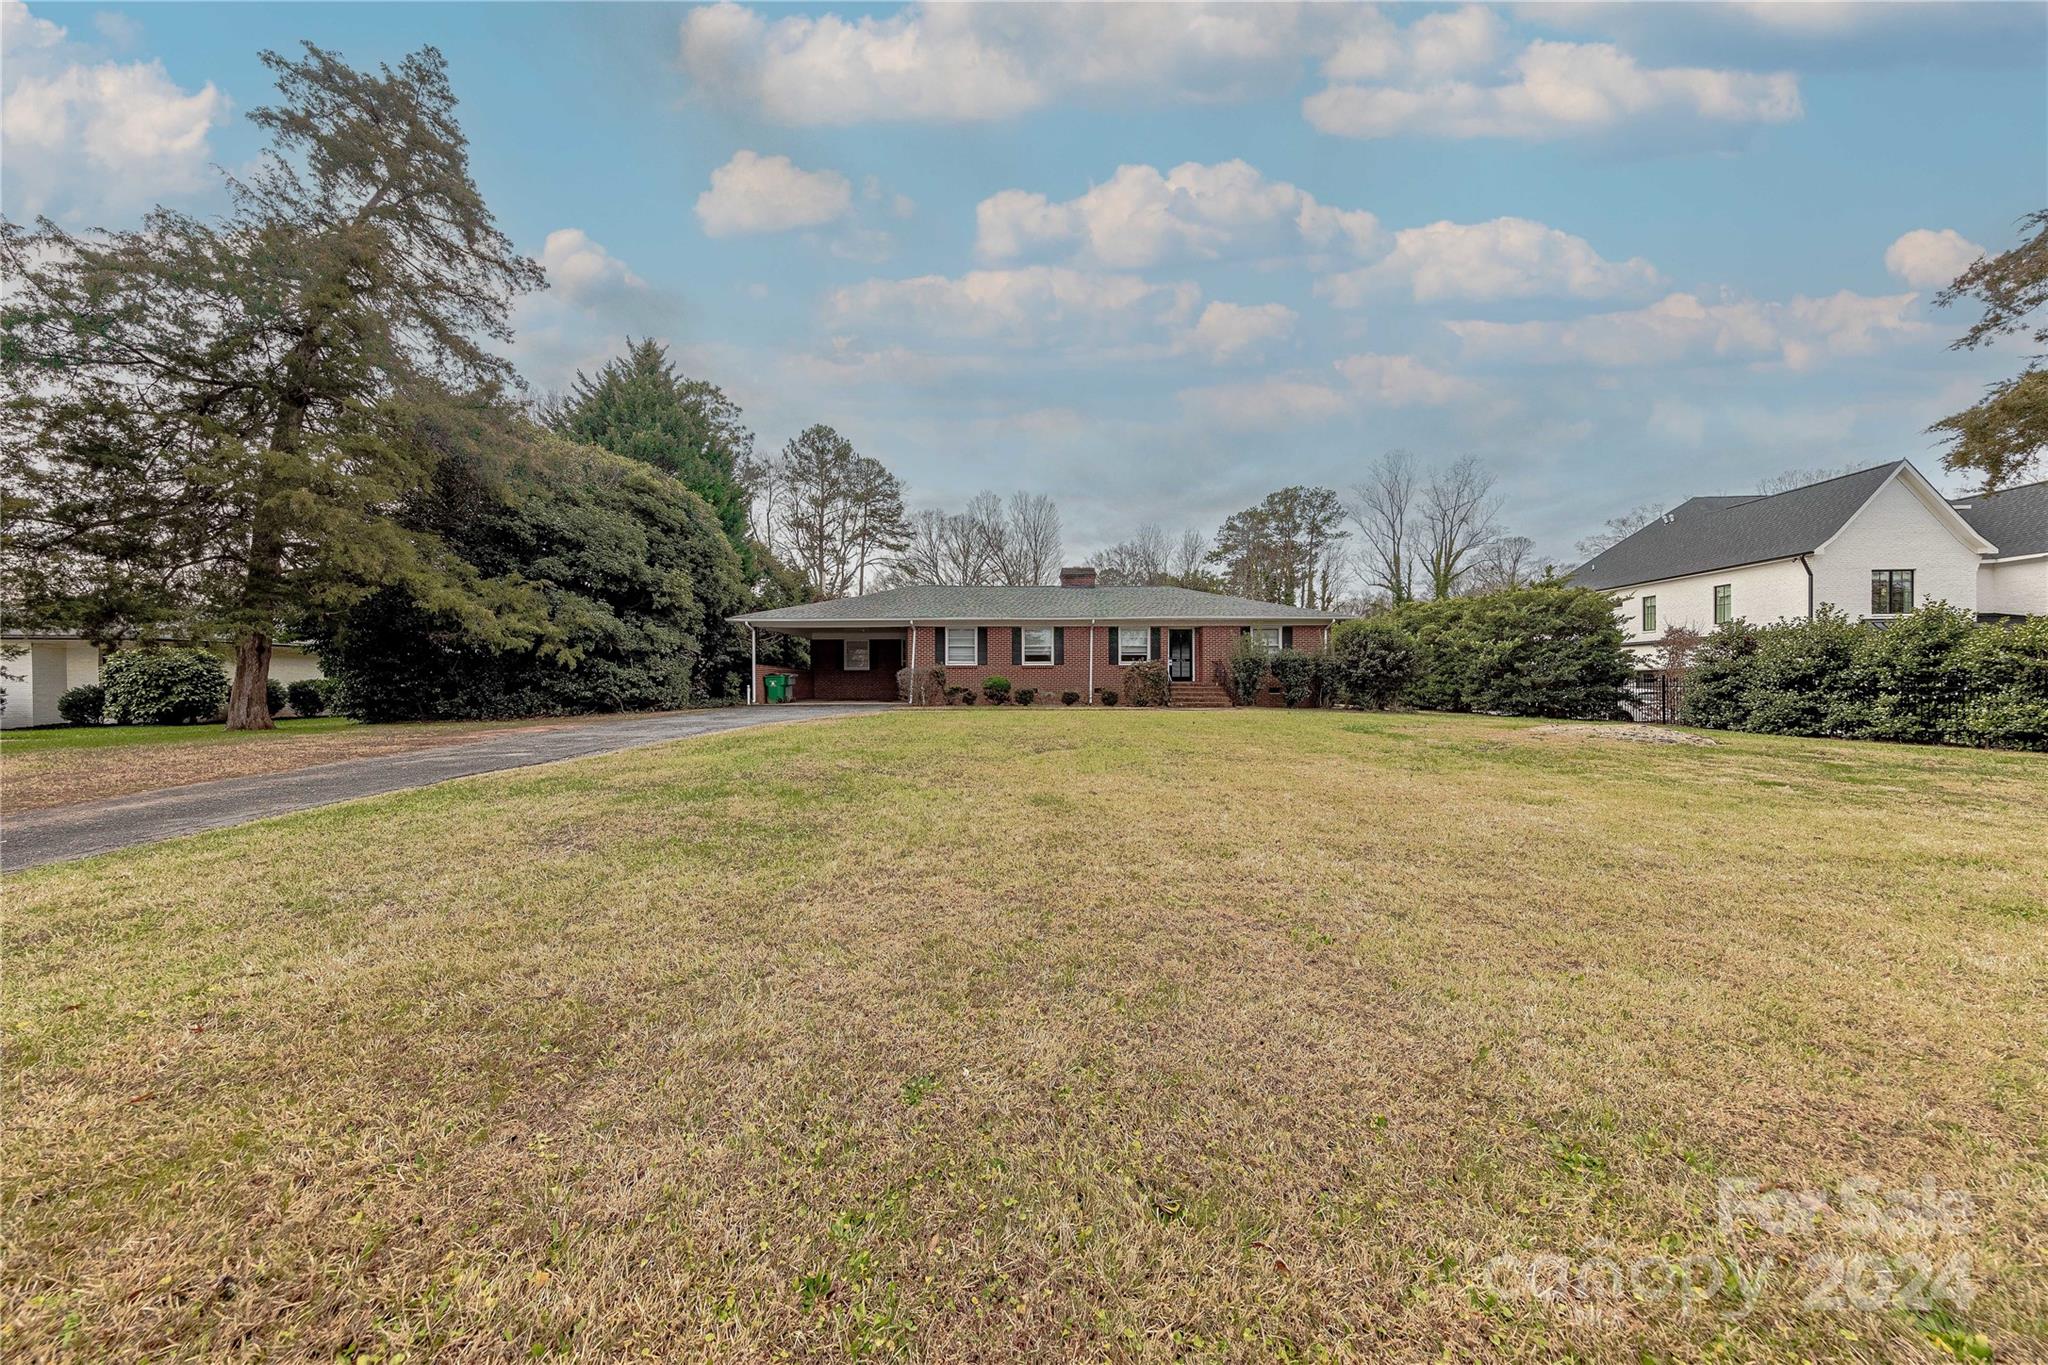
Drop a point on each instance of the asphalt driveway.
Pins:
(65, 832)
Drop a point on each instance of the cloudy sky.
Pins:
(1159, 260)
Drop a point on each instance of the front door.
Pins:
(1180, 655)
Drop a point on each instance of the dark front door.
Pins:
(1180, 655)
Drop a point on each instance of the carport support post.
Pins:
(753, 665)
(1092, 642)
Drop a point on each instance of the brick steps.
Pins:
(1197, 695)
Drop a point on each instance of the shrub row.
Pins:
(1932, 676)
(176, 687)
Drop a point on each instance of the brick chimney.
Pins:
(1078, 576)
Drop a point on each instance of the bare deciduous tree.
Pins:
(1620, 528)
(1454, 519)
(1027, 550)
(1382, 509)
(1508, 562)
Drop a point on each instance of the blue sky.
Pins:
(1157, 261)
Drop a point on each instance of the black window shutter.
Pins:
(1287, 637)
(1059, 644)
(1244, 630)
(981, 644)
(1016, 644)
(1111, 631)
(1155, 644)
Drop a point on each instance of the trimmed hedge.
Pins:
(163, 686)
(1546, 650)
(1372, 661)
(311, 696)
(1931, 676)
(1146, 684)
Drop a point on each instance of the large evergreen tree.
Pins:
(196, 410)
(2001, 438)
(639, 407)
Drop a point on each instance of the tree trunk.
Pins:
(249, 698)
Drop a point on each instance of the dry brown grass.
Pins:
(977, 1035)
(39, 776)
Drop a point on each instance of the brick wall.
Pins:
(1213, 645)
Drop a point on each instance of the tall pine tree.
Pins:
(639, 407)
(198, 412)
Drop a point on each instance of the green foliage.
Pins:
(631, 572)
(639, 407)
(1070, 698)
(1026, 695)
(1372, 660)
(312, 696)
(85, 704)
(214, 391)
(1546, 650)
(163, 686)
(1108, 696)
(1146, 684)
(1717, 679)
(2003, 435)
(273, 695)
(996, 688)
(1929, 676)
(1300, 674)
(968, 696)
(1249, 663)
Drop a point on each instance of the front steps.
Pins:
(1192, 695)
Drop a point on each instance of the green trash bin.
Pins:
(778, 686)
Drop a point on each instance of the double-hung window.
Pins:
(1036, 647)
(1649, 614)
(1133, 644)
(856, 656)
(1891, 591)
(1269, 636)
(1724, 603)
(962, 651)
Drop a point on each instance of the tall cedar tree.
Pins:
(200, 406)
(2002, 437)
(639, 407)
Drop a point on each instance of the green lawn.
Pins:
(65, 738)
(1068, 1034)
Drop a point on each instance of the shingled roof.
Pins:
(2013, 519)
(1704, 534)
(935, 602)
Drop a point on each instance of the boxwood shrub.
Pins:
(163, 686)
(85, 704)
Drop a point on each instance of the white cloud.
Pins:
(1433, 47)
(963, 63)
(755, 193)
(1556, 90)
(582, 272)
(1402, 381)
(1028, 306)
(1231, 331)
(1929, 259)
(1264, 404)
(81, 137)
(1140, 217)
(592, 300)
(1682, 328)
(1299, 399)
(1678, 421)
(1503, 259)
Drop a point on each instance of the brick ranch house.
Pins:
(1076, 637)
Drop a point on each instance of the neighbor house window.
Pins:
(1724, 603)
(1891, 591)
(1038, 645)
(961, 647)
(856, 656)
(1649, 614)
(1133, 644)
(1269, 636)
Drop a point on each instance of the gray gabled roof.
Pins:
(1704, 534)
(2013, 519)
(940, 602)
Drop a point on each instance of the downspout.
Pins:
(913, 661)
(1092, 642)
(1809, 586)
(753, 664)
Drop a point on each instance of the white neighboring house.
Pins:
(39, 668)
(1872, 544)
